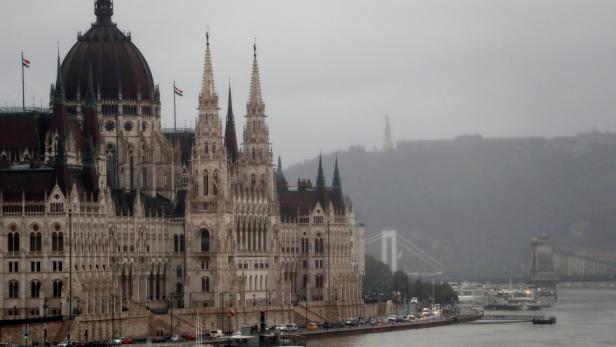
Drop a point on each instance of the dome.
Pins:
(114, 58)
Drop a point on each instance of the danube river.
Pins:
(585, 313)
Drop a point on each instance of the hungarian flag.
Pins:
(25, 62)
(178, 91)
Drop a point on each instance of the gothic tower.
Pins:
(207, 234)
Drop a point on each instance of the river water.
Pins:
(585, 313)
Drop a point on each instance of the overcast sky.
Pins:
(331, 70)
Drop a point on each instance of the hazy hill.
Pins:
(474, 202)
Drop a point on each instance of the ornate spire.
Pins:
(90, 121)
(255, 99)
(320, 175)
(281, 181)
(230, 136)
(207, 82)
(337, 181)
(103, 10)
(59, 91)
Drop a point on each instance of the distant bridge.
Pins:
(549, 265)
(392, 247)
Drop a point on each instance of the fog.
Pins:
(331, 70)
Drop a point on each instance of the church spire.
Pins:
(230, 136)
(59, 91)
(337, 181)
(103, 10)
(255, 99)
(320, 175)
(58, 126)
(208, 90)
(281, 181)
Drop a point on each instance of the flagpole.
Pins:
(174, 110)
(23, 84)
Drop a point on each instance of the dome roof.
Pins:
(114, 58)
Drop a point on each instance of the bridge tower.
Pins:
(542, 261)
(389, 248)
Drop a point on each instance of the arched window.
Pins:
(179, 288)
(215, 183)
(316, 246)
(205, 240)
(254, 154)
(321, 247)
(206, 148)
(35, 289)
(253, 180)
(178, 272)
(35, 242)
(176, 243)
(13, 289)
(57, 289)
(13, 242)
(57, 242)
(206, 183)
(205, 284)
(250, 283)
(213, 147)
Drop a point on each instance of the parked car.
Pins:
(189, 337)
(291, 327)
(176, 338)
(216, 334)
(313, 326)
(391, 318)
(279, 328)
(127, 341)
(414, 300)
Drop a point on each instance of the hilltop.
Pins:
(474, 202)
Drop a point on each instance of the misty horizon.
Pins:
(437, 69)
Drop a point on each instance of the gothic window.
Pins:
(321, 246)
(205, 183)
(131, 168)
(176, 243)
(213, 147)
(128, 126)
(13, 242)
(250, 283)
(254, 154)
(57, 289)
(206, 148)
(145, 177)
(13, 289)
(253, 180)
(35, 289)
(316, 246)
(57, 242)
(35, 242)
(305, 281)
(178, 272)
(205, 284)
(260, 153)
(205, 240)
(179, 288)
(215, 183)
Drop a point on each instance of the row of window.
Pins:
(36, 242)
(35, 266)
(35, 289)
(257, 265)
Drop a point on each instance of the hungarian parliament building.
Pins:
(114, 226)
